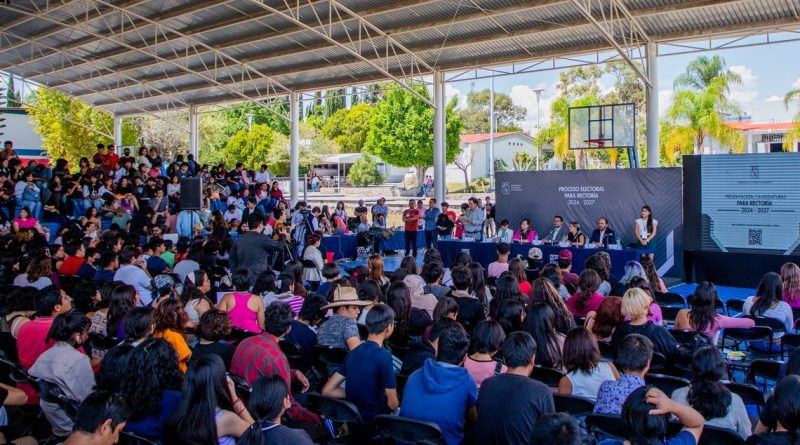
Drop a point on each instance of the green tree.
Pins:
(349, 128)
(250, 147)
(401, 131)
(701, 72)
(793, 135)
(627, 89)
(12, 95)
(270, 115)
(579, 82)
(65, 125)
(313, 145)
(701, 114)
(335, 100)
(365, 172)
(476, 114)
(213, 138)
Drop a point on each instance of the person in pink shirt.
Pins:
(525, 234)
(31, 343)
(487, 338)
(586, 299)
(245, 309)
(703, 316)
(790, 274)
(501, 265)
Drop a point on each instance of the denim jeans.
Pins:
(78, 208)
(34, 206)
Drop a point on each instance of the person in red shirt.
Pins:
(110, 160)
(410, 219)
(100, 156)
(260, 355)
(73, 262)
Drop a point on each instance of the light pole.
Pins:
(249, 117)
(538, 92)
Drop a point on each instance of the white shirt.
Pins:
(641, 227)
(136, 277)
(236, 214)
(262, 177)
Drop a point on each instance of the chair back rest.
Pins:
(548, 376)
(606, 425)
(659, 361)
(50, 392)
(402, 430)
(670, 299)
(713, 435)
(129, 438)
(734, 305)
(772, 323)
(574, 405)
(750, 394)
(666, 383)
(335, 410)
(756, 333)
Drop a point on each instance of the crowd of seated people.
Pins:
(234, 330)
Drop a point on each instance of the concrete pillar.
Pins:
(439, 139)
(117, 131)
(194, 131)
(492, 130)
(653, 152)
(749, 143)
(294, 148)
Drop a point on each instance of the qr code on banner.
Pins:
(754, 237)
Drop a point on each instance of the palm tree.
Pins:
(702, 71)
(700, 114)
(794, 133)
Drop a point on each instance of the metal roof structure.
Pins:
(143, 56)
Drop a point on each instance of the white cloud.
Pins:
(664, 100)
(524, 96)
(796, 83)
(450, 91)
(773, 99)
(747, 91)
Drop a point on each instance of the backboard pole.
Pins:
(651, 90)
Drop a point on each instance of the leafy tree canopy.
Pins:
(401, 130)
(250, 147)
(365, 172)
(476, 115)
(349, 128)
(313, 145)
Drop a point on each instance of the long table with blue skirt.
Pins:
(344, 246)
(486, 252)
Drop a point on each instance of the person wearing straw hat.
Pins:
(340, 330)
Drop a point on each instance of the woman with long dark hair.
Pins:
(586, 299)
(784, 408)
(651, 274)
(478, 285)
(115, 368)
(598, 264)
(154, 390)
(269, 400)
(585, 369)
(543, 291)
(486, 340)
(123, 299)
(768, 302)
(194, 296)
(645, 227)
(511, 315)
(549, 342)
(209, 413)
(702, 315)
(710, 397)
(516, 268)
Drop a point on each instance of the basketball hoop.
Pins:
(598, 143)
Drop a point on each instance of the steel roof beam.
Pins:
(252, 39)
(89, 16)
(110, 38)
(499, 36)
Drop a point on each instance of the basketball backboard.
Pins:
(602, 126)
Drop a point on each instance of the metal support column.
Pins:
(294, 148)
(492, 130)
(194, 132)
(439, 140)
(117, 131)
(653, 152)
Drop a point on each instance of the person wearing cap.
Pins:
(534, 263)
(565, 264)
(558, 234)
(473, 220)
(341, 330)
(165, 286)
(525, 234)
(368, 369)
(445, 222)
(379, 208)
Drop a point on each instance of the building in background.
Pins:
(19, 130)
(475, 152)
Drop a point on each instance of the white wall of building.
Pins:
(504, 149)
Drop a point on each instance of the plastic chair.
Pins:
(734, 306)
(683, 336)
(50, 392)
(666, 383)
(719, 436)
(237, 335)
(336, 411)
(330, 358)
(670, 299)
(574, 405)
(748, 335)
(750, 394)
(402, 430)
(606, 425)
(548, 376)
(293, 354)
(767, 370)
(791, 341)
(243, 389)
(658, 362)
(669, 313)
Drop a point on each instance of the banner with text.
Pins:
(586, 195)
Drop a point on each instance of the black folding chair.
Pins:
(670, 299)
(330, 358)
(402, 430)
(791, 342)
(750, 394)
(293, 354)
(766, 370)
(734, 306)
(398, 349)
(605, 425)
(580, 321)
(777, 326)
(795, 316)
(666, 383)
(576, 406)
(51, 393)
(237, 335)
(747, 336)
(658, 362)
(669, 313)
(548, 376)
(129, 438)
(683, 336)
(337, 411)
(719, 436)
(243, 389)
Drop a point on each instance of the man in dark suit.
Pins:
(603, 236)
(558, 234)
(250, 251)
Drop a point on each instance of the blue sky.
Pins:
(767, 71)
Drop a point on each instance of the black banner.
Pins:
(586, 195)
